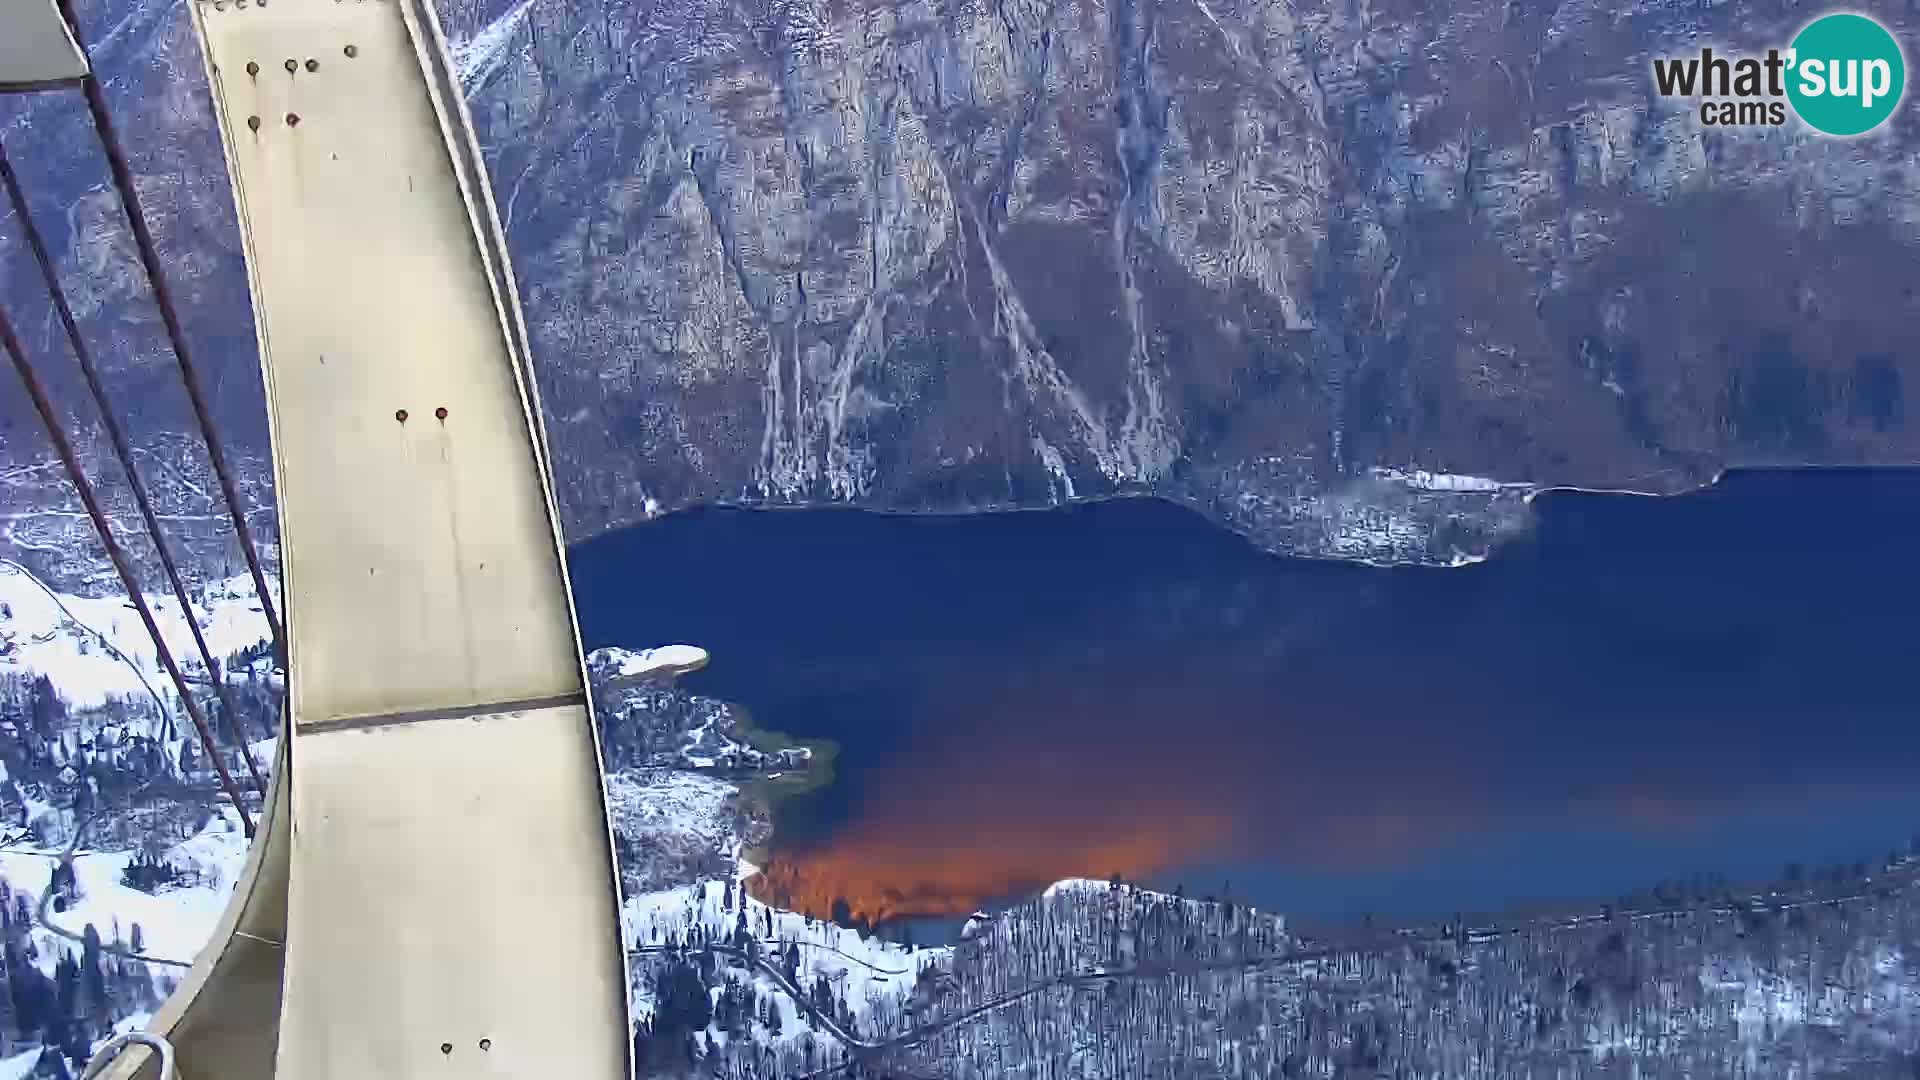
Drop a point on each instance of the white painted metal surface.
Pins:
(426, 533)
(105, 1056)
(452, 902)
(442, 910)
(35, 45)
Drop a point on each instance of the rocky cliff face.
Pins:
(1248, 254)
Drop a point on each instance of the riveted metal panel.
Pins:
(444, 893)
(450, 870)
(36, 46)
(421, 566)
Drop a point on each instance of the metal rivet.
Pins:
(253, 68)
(486, 1044)
(401, 415)
(313, 65)
(253, 123)
(440, 413)
(446, 1048)
(292, 65)
(293, 119)
(353, 51)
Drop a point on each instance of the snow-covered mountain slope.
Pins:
(672, 827)
(95, 648)
(73, 922)
(863, 983)
(1815, 979)
(169, 922)
(118, 850)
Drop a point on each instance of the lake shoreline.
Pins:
(767, 794)
(1107, 687)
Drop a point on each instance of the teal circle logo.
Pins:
(1846, 74)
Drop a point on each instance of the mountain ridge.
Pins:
(958, 256)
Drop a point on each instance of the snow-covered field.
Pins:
(175, 924)
(96, 648)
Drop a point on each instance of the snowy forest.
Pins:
(115, 779)
(1815, 974)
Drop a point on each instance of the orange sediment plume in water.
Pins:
(987, 817)
(965, 841)
(984, 819)
(1151, 787)
(887, 870)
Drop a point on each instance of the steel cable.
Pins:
(64, 448)
(118, 437)
(176, 335)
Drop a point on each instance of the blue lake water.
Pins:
(1637, 689)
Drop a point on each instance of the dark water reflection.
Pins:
(1639, 689)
